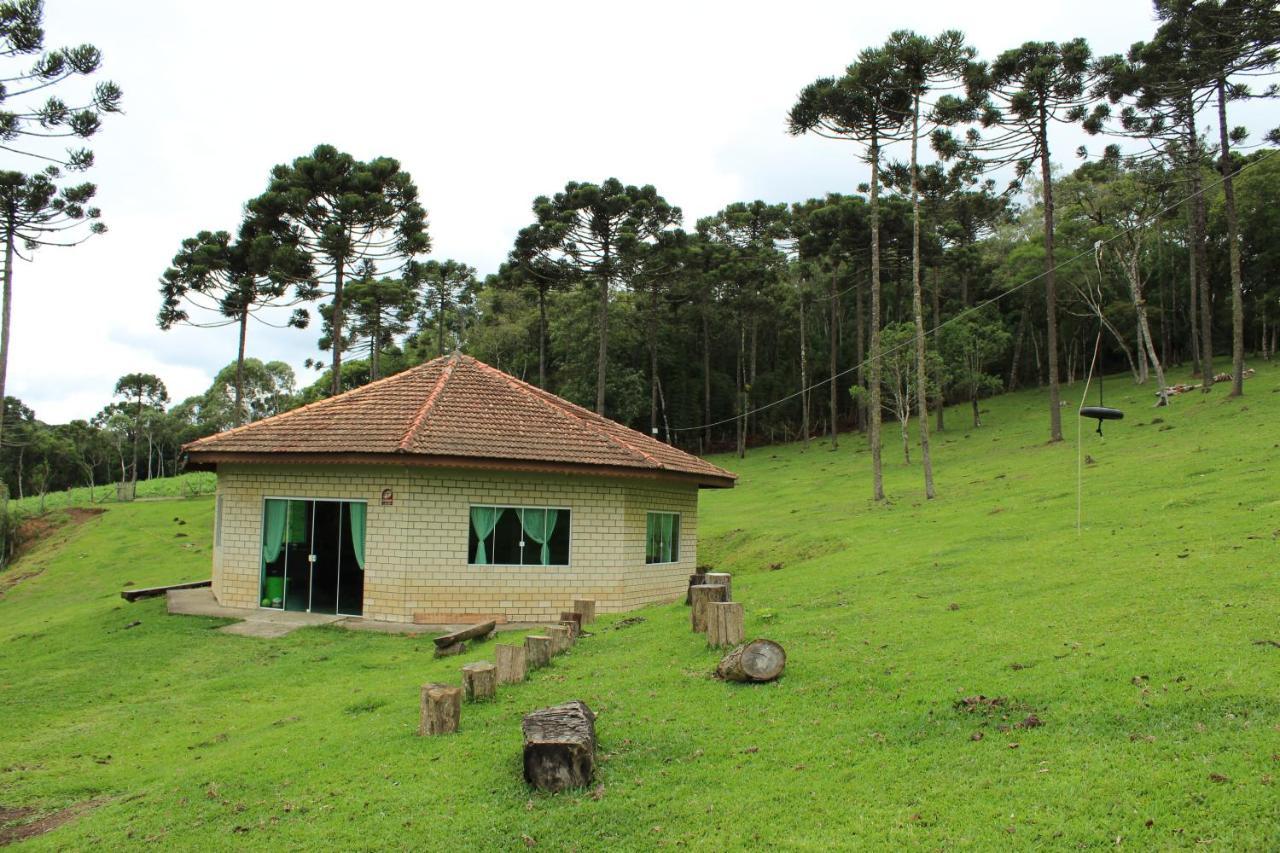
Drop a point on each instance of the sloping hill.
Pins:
(1145, 647)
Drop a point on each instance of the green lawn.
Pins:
(184, 485)
(1136, 643)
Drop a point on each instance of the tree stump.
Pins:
(560, 746)
(758, 660)
(440, 708)
(696, 579)
(568, 616)
(560, 639)
(574, 629)
(511, 663)
(724, 623)
(479, 681)
(538, 650)
(586, 608)
(723, 579)
(700, 595)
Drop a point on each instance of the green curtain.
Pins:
(357, 513)
(483, 520)
(538, 525)
(273, 521)
(297, 527)
(668, 526)
(651, 538)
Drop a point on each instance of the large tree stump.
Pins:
(560, 746)
(511, 663)
(696, 579)
(560, 638)
(479, 681)
(723, 579)
(586, 608)
(538, 649)
(701, 594)
(440, 708)
(724, 623)
(758, 660)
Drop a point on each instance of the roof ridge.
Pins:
(312, 405)
(565, 409)
(420, 418)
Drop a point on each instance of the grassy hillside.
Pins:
(1146, 645)
(184, 485)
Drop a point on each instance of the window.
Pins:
(518, 536)
(662, 538)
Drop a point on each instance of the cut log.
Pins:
(700, 595)
(723, 579)
(449, 651)
(155, 591)
(560, 746)
(586, 608)
(574, 629)
(441, 706)
(479, 681)
(696, 579)
(560, 639)
(758, 660)
(538, 650)
(724, 623)
(567, 616)
(511, 663)
(482, 629)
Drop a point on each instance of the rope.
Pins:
(1080, 432)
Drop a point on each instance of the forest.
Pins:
(979, 257)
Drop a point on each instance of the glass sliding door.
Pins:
(313, 556)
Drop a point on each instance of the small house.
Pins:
(446, 493)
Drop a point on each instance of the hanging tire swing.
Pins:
(1099, 412)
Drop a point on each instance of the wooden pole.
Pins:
(538, 650)
(512, 668)
(699, 596)
(724, 623)
(440, 707)
(586, 608)
(479, 681)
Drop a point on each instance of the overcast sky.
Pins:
(487, 105)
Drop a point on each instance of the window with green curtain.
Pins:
(518, 536)
(662, 537)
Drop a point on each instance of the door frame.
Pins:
(262, 564)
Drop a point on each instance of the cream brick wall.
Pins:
(416, 550)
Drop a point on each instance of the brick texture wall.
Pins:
(416, 549)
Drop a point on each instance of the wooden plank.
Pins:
(481, 630)
(155, 591)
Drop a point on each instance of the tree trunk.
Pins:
(873, 404)
(699, 596)
(1233, 245)
(538, 650)
(6, 312)
(440, 708)
(542, 337)
(244, 330)
(758, 660)
(917, 309)
(1018, 337)
(937, 325)
(511, 663)
(653, 366)
(860, 340)
(835, 352)
(603, 321)
(479, 681)
(804, 375)
(1050, 285)
(560, 746)
(440, 317)
(724, 624)
(335, 320)
(706, 375)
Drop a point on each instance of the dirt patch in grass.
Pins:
(13, 830)
(32, 530)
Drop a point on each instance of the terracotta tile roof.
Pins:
(456, 407)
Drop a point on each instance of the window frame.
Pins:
(568, 559)
(676, 551)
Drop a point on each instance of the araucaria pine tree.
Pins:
(36, 209)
